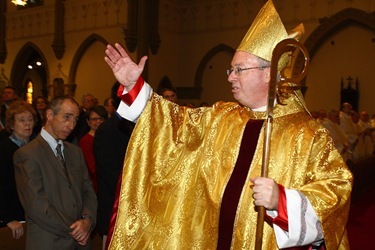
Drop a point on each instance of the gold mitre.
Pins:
(266, 31)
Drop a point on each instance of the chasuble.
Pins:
(179, 161)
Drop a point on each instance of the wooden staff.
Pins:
(281, 84)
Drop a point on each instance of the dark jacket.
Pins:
(10, 205)
(51, 199)
(110, 143)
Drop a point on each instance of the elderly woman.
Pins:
(20, 120)
(94, 117)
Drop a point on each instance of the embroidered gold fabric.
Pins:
(266, 31)
(179, 161)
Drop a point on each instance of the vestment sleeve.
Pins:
(304, 227)
(132, 111)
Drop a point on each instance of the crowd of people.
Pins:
(147, 173)
(59, 195)
(353, 133)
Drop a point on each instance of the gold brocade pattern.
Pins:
(179, 161)
(266, 31)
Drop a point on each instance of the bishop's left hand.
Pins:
(265, 192)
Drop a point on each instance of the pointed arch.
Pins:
(80, 52)
(195, 92)
(329, 27)
(209, 55)
(26, 55)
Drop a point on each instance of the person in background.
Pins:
(190, 105)
(87, 102)
(368, 131)
(364, 120)
(314, 114)
(110, 144)
(347, 125)
(322, 115)
(5, 132)
(169, 93)
(96, 101)
(109, 106)
(204, 104)
(94, 117)
(191, 177)
(9, 95)
(53, 184)
(364, 147)
(21, 117)
(40, 104)
(340, 139)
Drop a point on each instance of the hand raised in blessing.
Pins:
(125, 70)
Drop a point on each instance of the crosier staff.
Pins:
(282, 85)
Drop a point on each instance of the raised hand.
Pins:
(125, 70)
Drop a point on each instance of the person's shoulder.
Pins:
(109, 125)
(86, 137)
(71, 146)
(4, 134)
(4, 141)
(301, 121)
(7, 144)
(33, 148)
(36, 142)
(224, 109)
(73, 149)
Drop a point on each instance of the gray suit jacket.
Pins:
(52, 202)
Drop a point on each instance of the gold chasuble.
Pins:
(179, 161)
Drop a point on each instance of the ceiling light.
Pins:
(19, 2)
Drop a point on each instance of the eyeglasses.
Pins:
(24, 121)
(238, 71)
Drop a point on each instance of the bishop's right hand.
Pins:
(125, 70)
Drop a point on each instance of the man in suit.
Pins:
(53, 184)
(110, 143)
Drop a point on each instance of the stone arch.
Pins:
(329, 27)
(80, 52)
(19, 72)
(207, 58)
(195, 92)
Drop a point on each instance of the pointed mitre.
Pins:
(266, 31)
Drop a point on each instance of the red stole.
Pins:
(114, 212)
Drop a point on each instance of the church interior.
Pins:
(53, 47)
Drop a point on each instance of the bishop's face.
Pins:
(249, 86)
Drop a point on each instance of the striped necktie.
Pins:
(60, 158)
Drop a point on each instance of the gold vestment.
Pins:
(179, 161)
